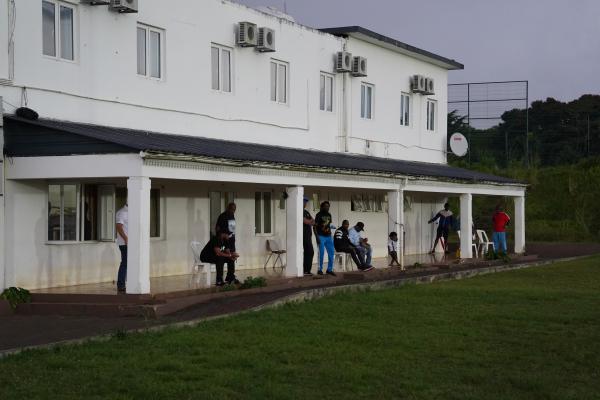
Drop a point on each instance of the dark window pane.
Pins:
(257, 213)
(69, 212)
(66, 33)
(48, 28)
(267, 212)
(154, 212)
(54, 212)
(141, 51)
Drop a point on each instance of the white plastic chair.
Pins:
(484, 241)
(473, 244)
(199, 267)
(345, 260)
(275, 250)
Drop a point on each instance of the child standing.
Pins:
(393, 248)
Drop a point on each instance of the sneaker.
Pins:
(220, 283)
(368, 268)
(331, 273)
(308, 274)
(235, 281)
(319, 272)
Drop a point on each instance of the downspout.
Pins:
(345, 113)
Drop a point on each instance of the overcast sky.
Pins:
(555, 44)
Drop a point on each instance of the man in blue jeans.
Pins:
(322, 229)
(122, 223)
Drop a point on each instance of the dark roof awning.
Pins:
(45, 137)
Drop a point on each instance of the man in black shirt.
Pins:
(322, 228)
(226, 222)
(342, 244)
(309, 251)
(218, 251)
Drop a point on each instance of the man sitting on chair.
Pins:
(218, 251)
(342, 244)
(361, 244)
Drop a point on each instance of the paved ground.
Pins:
(21, 331)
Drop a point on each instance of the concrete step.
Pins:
(85, 309)
(94, 298)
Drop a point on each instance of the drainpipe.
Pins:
(345, 110)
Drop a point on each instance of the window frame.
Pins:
(279, 64)
(149, 29)
(431, 124)
(58, 31)
(262, 214)
(323, 77)
(405, 109)
(364, 86)
(61, 214)
(221, 49)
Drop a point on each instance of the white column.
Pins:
(466, 225)
(2, 253)
(519, 224)
(294, 225)
(138, 246)
(396, 219)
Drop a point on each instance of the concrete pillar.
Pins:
(396, 219)
(466, 225)
(138, 246)
(2, 252)
(294, 227)
(519, 224)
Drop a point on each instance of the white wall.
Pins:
(101, 86)
(3, 39)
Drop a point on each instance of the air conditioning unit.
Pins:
(359, 66)
(266, 40)
(247, 35)
(417, 84)
(343, 62)
(429, 86)
(124, 6)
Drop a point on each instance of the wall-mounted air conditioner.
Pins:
(343, 62)
(247, 35)
(359, 66)
(417, 84)
(429, 86)
(124, 6)
(266, 40)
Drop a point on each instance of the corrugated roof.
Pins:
(97, 139)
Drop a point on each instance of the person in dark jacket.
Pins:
(309, 251)
(218, 251)
(226, 222)
(446, 220)
(342, 244)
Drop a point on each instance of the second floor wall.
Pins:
(82, 63)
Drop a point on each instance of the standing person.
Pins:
(361, 243)
(446, 220)
(218, 251)
(309, 250)
(500, 220)
(226, 222)
(323, 234)
(393, 248)
(342, 244)
(122, 224)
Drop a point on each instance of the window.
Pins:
(87, 212)
(58, 30)
(62, 212)
(366, 101)
(218, 203)
(326, 93)
(221, 68)
(431, 115)
(150, 51)
(279, 81)
(405, 109)
(263, 213)
(364, 202)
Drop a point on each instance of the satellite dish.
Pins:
(459, 144)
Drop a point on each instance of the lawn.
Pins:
(528, 334)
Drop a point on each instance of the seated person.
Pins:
(361, 244)
(218, 251)
(393, 248)
(342, 244)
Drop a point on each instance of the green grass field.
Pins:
(529, 334)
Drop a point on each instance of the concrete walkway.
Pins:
(18, 332)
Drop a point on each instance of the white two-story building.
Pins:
(180, 107)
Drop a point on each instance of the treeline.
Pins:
(559, 134)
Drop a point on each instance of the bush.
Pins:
(251, 282)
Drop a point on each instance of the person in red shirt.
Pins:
(500, 220)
